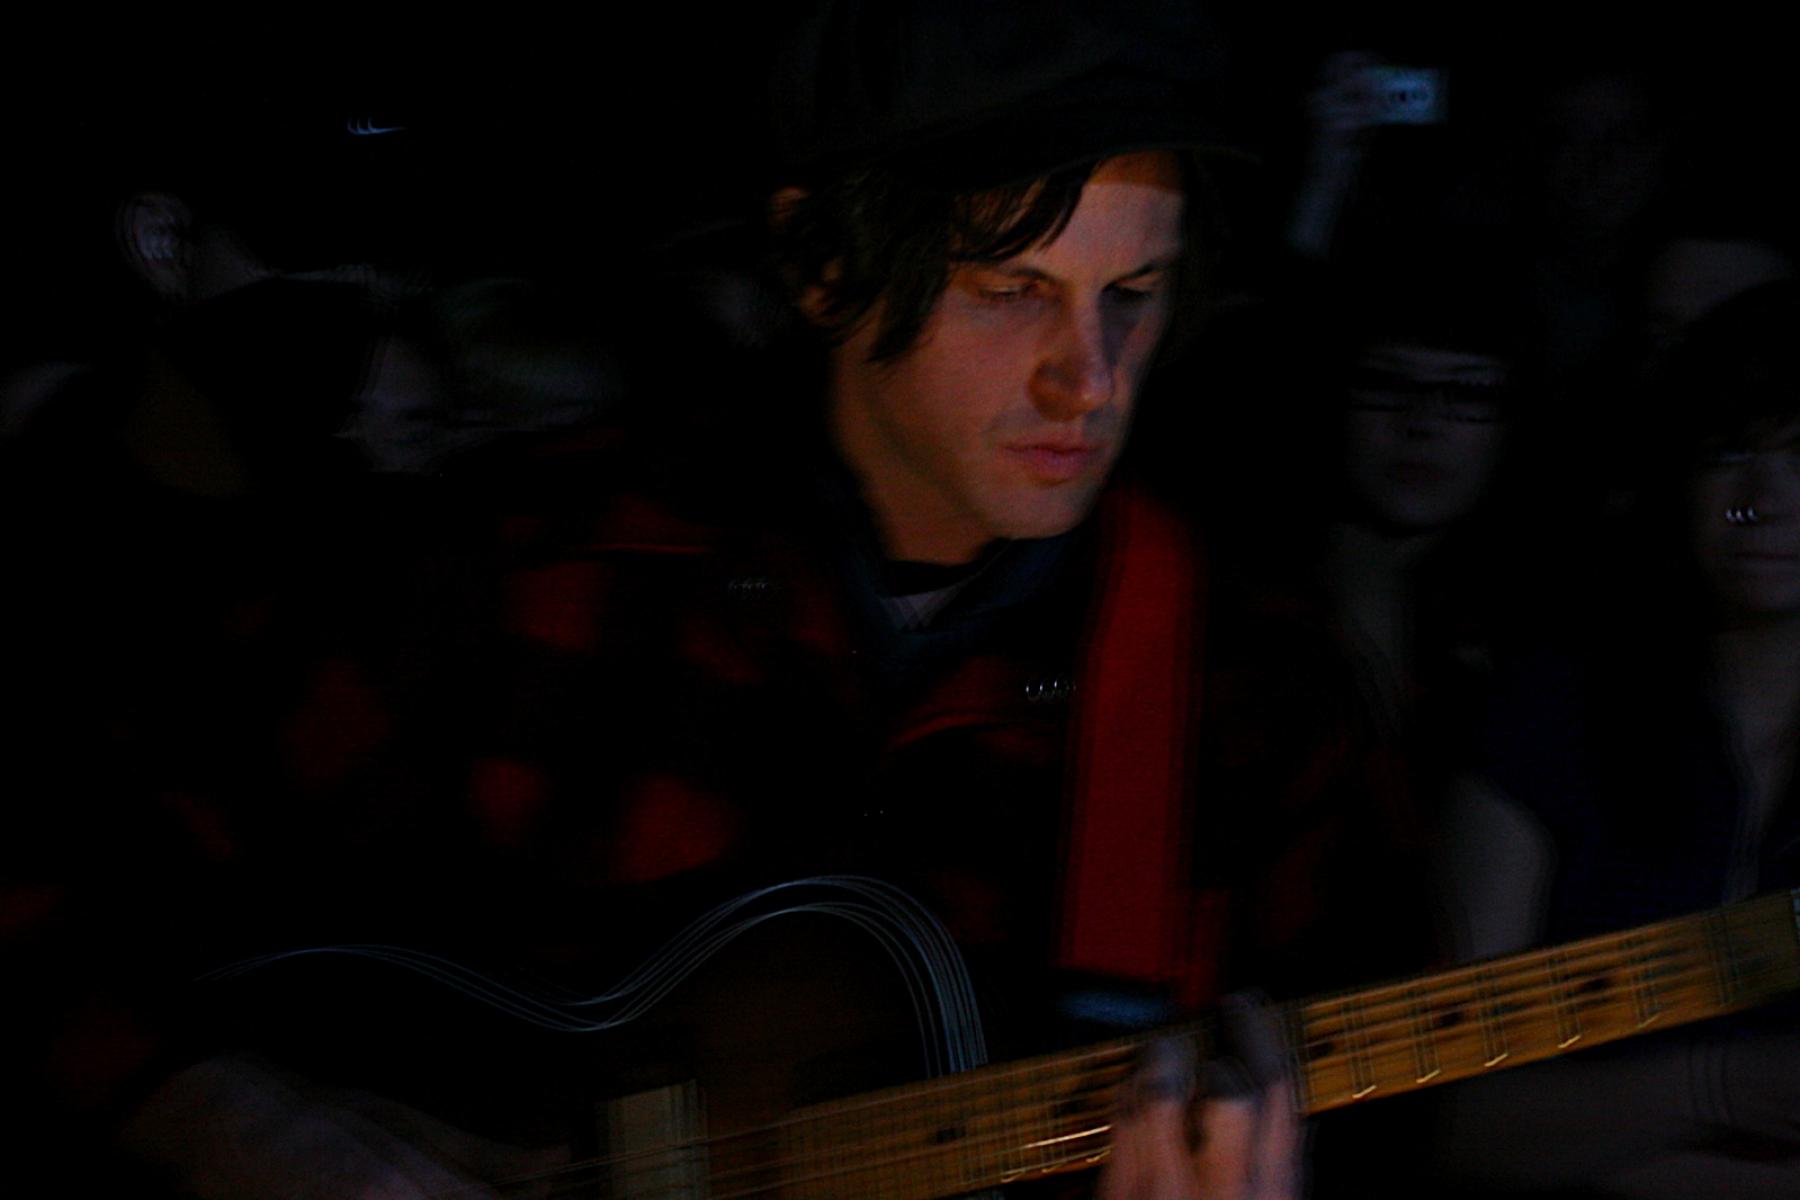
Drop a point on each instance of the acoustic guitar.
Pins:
(975, 1127)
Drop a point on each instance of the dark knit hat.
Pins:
(969, 94)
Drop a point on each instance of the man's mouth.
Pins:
(1055, 462)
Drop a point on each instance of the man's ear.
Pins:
(811, 296)
(155, 232)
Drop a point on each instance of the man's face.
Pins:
(1003, 420)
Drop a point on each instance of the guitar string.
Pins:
(1604, 950)
(1503, 995)
(1523, 976)
(1009, 1147)
(1012, 1078)
(943, 971)
(1545, 1013)
(1403, 1031)
(1055, 1068)
(891, 1163)
(1524, 966)
(1013, 1118)
(895, 1161)
(915, 1098)
(1392, 1046)
(1498, 978)
(929, 1095)
(1516, 996)
(1010, 1102)
(1005, 1142)
(1009, 1151)
(940, 1160)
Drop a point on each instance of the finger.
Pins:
(1151, 1157)
(1167, 1070)
(1249, 1030)
(1254, 1119)
(1275, 1166)
(1225, 1162)
(1151, 1145)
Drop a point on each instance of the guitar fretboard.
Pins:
(1051, 1114)
(1532, 1006)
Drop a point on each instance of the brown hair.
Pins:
(871, 236)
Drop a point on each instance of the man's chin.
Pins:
(1045, 521)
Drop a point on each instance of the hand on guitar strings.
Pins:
(1228, 1129)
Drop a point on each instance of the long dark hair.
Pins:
(875, 236)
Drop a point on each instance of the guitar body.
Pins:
(796, 1012)
(821, 993)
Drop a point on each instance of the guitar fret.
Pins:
(1424, 1037)
(1649, 1005)
(1044, 1101)
(1057, 1090)
(1488, 1013)
(1026, 1120)
(1046, 1090)
(962, 1163)
(1724, 959)
(1012, 1146)
(1017, 1139)
(1362, 1065)
(1568, 1016)
(1036, 1136)
(1294, 1019)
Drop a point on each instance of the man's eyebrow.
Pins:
(1161, 262)
(1016, 270)
(1013, 270)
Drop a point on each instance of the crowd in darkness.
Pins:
(1496, 390)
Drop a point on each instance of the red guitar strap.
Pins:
(1128, 906)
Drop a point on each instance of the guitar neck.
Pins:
(1527, 1007)
(1052, 1114)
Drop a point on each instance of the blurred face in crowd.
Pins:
(402, 418)
(1689, 277)
(1423, 435)
(1604, 154)
(1004, 418)
(1745, 514)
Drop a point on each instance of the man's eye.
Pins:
(1007, 293)
(1132, 295)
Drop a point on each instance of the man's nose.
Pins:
(1078, 371)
